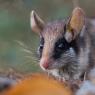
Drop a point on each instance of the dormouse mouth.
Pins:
(55, 67)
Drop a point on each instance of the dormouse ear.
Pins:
(75, 24)
(37, 24)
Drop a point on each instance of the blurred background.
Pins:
(18, 44)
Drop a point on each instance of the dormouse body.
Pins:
(67, 47)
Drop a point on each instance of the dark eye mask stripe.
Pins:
(58, 51)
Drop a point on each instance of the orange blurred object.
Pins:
(40, 84)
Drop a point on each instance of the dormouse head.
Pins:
(58, 39)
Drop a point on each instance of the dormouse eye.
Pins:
(39, 52)
(40, 48)
(60, 46)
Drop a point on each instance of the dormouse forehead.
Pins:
(54, 30)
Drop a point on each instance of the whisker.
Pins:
(29, 62)
(27, 51)
(32, 58)
(21, 43)
(29, 55)
(25, 47)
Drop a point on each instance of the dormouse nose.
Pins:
(44, 63)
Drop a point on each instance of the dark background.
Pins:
(18, 43)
